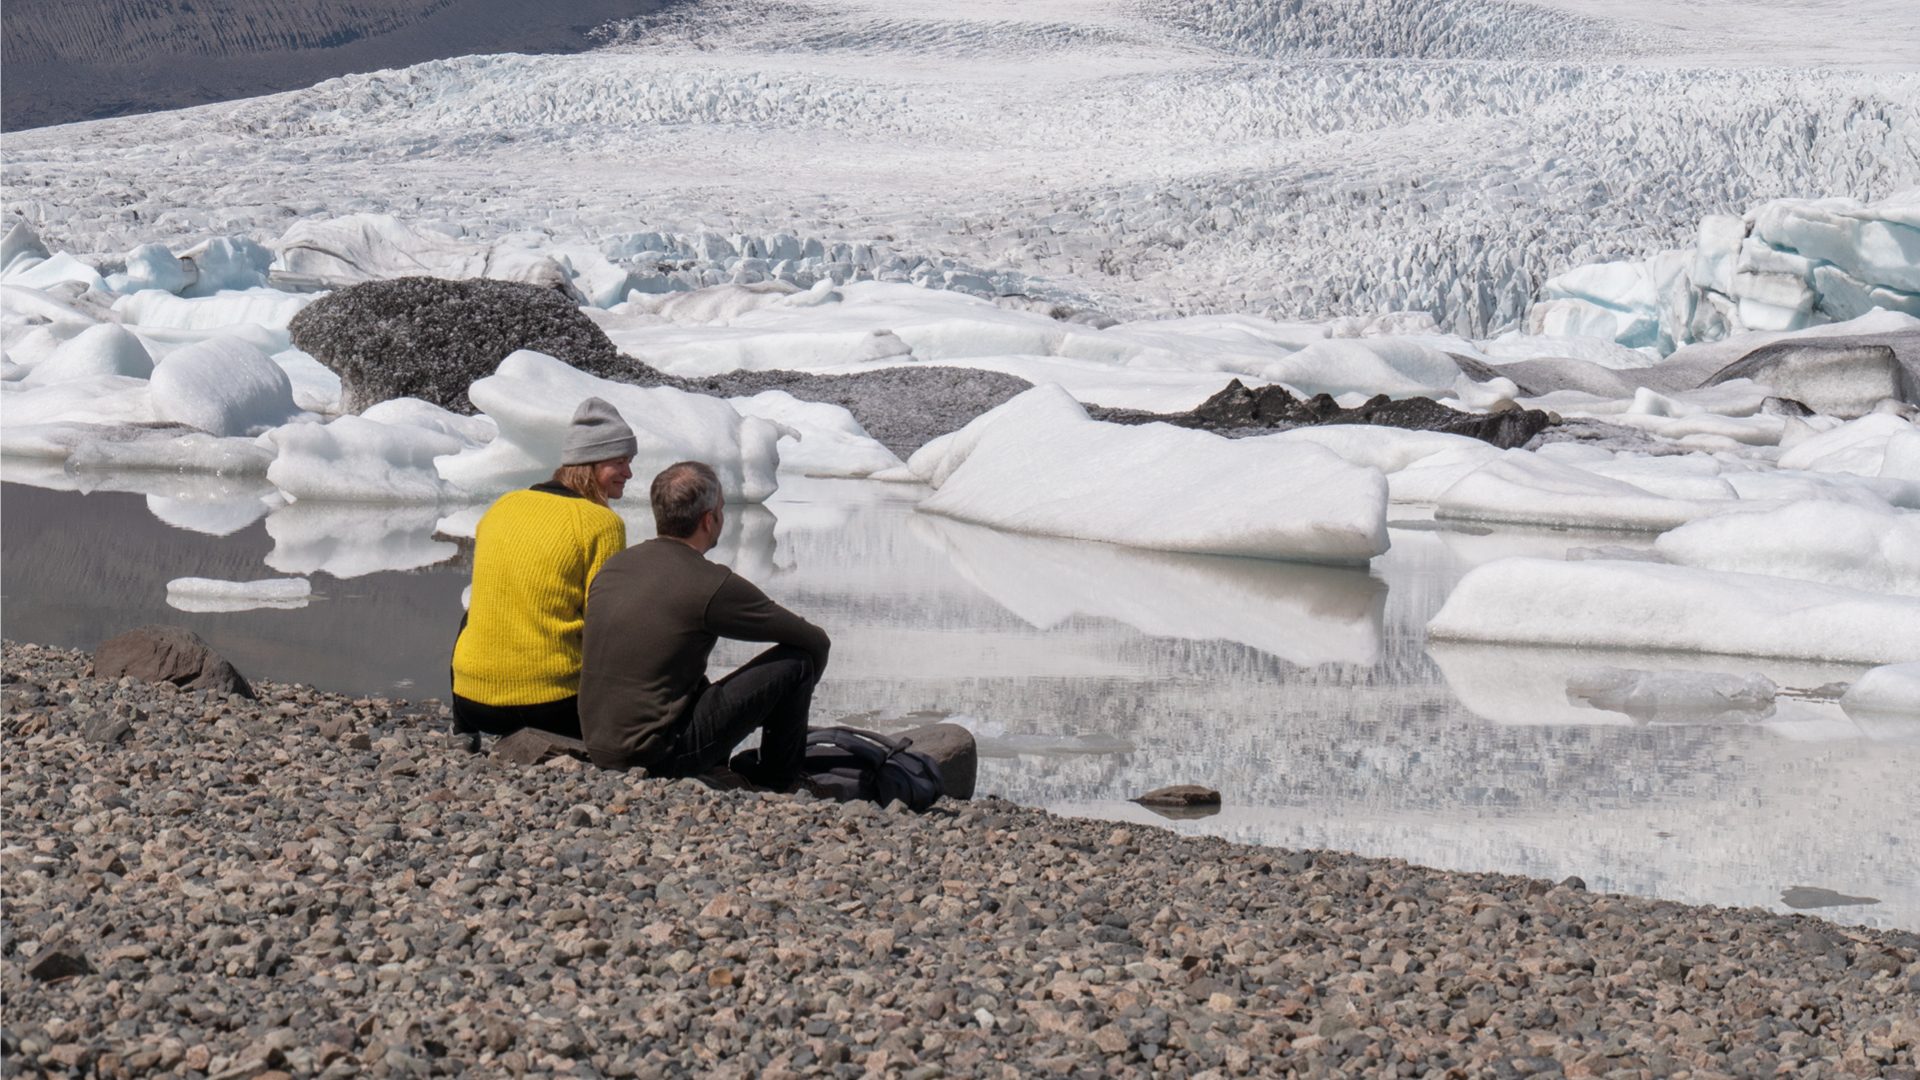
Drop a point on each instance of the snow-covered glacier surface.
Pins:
(1179, 156)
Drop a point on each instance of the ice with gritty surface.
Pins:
(315, 387)
(1858, 446)
(1528, 489)
(1306, 615)
(1876, 550)
(1038, 464)
(222, 386)
(415, 413)
(372, 247)
(531, 398)
(354, 459)
(1368, 366)
(354, 539)
(1888, 690)
(1639, 605)
(106, 349)
(1166, 169)
(825, 439)
(197, 594)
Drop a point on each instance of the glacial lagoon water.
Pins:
(1308, 695)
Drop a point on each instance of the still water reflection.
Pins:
(1309, 696)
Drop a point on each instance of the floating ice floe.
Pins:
(1886, 691)
(1532, 489)
(212, 595)
(354, 459)
(1038, 464)
(532, 397)
(1639, 605)
(1860, 547)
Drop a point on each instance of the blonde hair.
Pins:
(582, 480)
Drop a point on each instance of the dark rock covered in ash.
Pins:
(1180, 795)
(1239, 409)
(430, 338)
(171, 654)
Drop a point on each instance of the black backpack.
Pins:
(844, 764)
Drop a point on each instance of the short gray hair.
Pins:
(681, 493)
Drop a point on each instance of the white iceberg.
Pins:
(531, 398)
(1038, 464)
(1528, 489)
(821, 439)
(223, 387)
(1887, 691)
(354, 459)
(1860, 547)
(1637, 605)
(105, 349)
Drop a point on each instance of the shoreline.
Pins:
(321, 885)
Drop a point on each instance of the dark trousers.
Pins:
(560, 717)
(770, 693)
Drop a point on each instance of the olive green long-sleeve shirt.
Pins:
(653, 614)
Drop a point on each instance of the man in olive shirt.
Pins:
(654, 612)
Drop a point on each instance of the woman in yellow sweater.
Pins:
(516, 662)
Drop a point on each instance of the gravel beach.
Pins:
(309, 884)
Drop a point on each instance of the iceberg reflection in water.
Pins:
(1091, 673)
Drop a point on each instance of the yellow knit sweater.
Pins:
(535, 553)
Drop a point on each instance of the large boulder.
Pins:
(430, 338)
(1838, 376)
(171, 654)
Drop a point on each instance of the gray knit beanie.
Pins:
(596, 434)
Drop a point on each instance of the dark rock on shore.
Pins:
(430, 338)
(255, 895)
(1240, 410)
(171, 654)
(952, 748)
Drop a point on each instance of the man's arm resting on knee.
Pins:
(739, 610)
